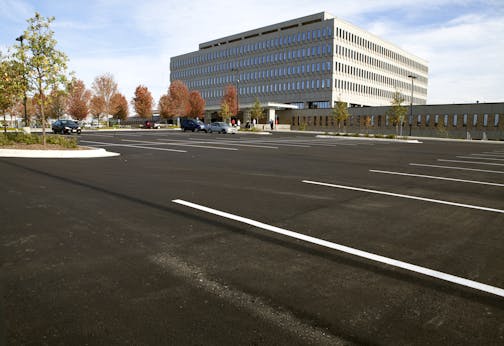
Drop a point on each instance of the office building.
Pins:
(305, 63)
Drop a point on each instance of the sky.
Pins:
(463, 40)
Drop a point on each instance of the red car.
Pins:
(149, 124)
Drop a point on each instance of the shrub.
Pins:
(20, 137)
(24, 138)
(66, 142)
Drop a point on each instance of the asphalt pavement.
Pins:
(193, 238)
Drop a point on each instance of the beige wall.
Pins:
(322, 119)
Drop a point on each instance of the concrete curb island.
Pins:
(57, 154)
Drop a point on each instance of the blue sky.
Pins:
(462, 40)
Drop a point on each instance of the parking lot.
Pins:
(194, 238)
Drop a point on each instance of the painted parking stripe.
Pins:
(489, 154)
(203, 141)
(275, 142)
(457, 168)
(349, 250)
(475, 162)
(179, 144)
(134, 146)
(479, 158)
(470, 206)
(436, 177)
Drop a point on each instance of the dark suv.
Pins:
(66, 127)
(193, 125)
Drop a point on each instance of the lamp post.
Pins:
(411, 102)
(20, 39)
(237, 82)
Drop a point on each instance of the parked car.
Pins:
(66, 127)
(193, 125)
(149, 124)
(221, 127)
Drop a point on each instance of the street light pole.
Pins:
(411, 102)
(237, 82)
(20, 39)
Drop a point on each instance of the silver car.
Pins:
(221, 127)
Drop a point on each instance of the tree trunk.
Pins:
(42, 97)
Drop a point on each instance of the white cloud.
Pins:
(461, 39)
(465, 58)
(15, 10)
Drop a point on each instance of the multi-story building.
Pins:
(308, 62)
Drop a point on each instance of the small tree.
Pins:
(196, 104)
(142, 102)
(231, 99)
(178, 94)
(225, 112)
(11, 84)
(257, 111)
(166, 110)
(340, 114)
(58, 102)
(397, 113)
(119, 106)
(45, 65)
(78, 100)
(106, 87)
(97, 106)
(367, 123)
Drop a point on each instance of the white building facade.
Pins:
(305, 63)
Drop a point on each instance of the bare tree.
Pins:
(105, 86)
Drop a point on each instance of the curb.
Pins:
(57, 154)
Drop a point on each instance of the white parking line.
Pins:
(134, 146)
(179, 144)
(231, 143)
(346, 249)
(457, 168)
(470, 206)
(438, 178)
(479, 158)
(489, 154)
(277, 142)
(96, 135)
(478, 163)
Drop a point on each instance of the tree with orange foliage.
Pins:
(119, 106)
(196, 104)
(176, 101)
(78, 100)
(142, 102)
(165, 107)
(179, 97)
(231, 99)
(97, 106)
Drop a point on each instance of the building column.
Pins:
(271, 116)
